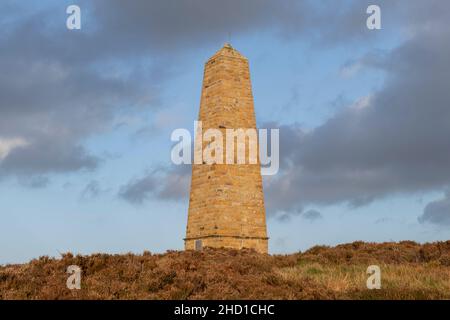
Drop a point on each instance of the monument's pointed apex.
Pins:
(229, 51)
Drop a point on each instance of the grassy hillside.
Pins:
(409, 271)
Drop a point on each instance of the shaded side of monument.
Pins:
(226, 205)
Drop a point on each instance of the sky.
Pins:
(86, 117)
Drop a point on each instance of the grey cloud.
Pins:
(397, 143)
(52, 100)
(114, 29)
(437, 212)
(169, 26)
(139, 190)
(34, 182)
(60, 87)
(46, 156)
(162, 184)
(312, 215)
(394, 142)
(172, 26)
(91, 191)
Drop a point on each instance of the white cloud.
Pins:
(7, 145)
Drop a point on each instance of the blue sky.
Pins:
(96, 108)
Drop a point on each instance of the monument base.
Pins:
(234, 242)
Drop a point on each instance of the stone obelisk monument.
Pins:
(226, 206)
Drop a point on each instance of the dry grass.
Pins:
(409, 271)
(398, 281)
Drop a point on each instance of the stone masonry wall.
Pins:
(226, 207)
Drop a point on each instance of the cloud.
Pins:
(139, 190)
(392, 141)
(54, 96)
(373, 59)
(395, 141)
(311, 215)
(170, 27)
(7, 145)
(45, 156)
(437, 212)
(169, 184)
(34, 182)
(60, 87)
(91, 191)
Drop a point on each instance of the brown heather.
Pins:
(409, 271)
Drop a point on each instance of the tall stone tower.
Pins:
(226, 206)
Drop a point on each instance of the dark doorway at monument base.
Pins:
(198, 245)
